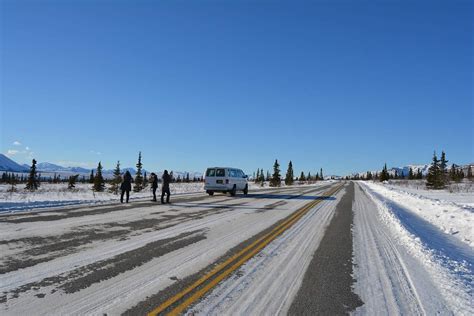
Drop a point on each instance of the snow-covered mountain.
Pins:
(6, 164)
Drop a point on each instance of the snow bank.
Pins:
(436, 207)
(448, 260)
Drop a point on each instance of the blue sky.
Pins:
(340, 85)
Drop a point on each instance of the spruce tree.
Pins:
(145, 180)
(289, 174)
(257, 177)
(321, 174)
(117, 179)
(99, 182)
(33, 181)
(187, 177)
(469, 172)
(308, 177)
(138, 176)
(443, 167)
(12, 181)
(91, 177)
(267, 178)
(302, 177)
(453, 174)
(275, 180)
(419, 174)
(411, 176)
(262, 178)
(384, 176)
(434, 179)
(72, 181)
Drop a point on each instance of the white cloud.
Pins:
(12, 152)
(16, 143)
(95, 152)
(27, 148)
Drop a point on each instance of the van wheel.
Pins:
(246, 190)
(233, 191)
(211, 193)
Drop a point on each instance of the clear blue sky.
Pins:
(342, 85)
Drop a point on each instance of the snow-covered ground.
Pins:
(57, 195)
(453, 213)
(53, 195)
(461, 194)
(413, 254)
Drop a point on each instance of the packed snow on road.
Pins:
(411, 249)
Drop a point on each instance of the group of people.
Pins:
(127, 180)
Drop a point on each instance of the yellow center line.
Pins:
(257, 245)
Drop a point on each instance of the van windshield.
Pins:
(220, 172)
(210, 172)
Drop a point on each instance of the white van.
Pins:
(220, 179)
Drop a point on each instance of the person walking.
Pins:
(154, 184)
(165, 187)
(126, 186)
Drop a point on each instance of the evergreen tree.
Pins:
(453, 174)
(33, 180)
(419, 174)
(138, 175)
(187, 177)
(72, 182)
(145, 180)
(116, 180)
(268, 176)
(302, 176)
(443, 166)
(12, 181)
(289, 174)
(411, 176)
(262, 178)
(460, 175)
(275, 180)
(99, 183)
(91, 177)
(469, 172)
(321, 174)
(434, 179)
(384, 176)
(257, 177)
(308, 177)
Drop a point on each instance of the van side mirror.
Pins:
(246, 176)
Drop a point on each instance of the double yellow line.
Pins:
(179, 303)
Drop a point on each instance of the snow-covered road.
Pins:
(359, 250)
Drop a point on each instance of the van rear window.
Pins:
(220, 172)
(210, 172)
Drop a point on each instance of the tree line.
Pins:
(260, 177)
(96, 178)
(438, 177)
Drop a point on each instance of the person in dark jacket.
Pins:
(154, 184)
(165, 188)
(126, 186)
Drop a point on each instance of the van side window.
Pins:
(232, 173)
(220, 172)
(210, 172)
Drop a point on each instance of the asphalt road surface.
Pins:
(275, 251)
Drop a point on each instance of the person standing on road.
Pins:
(154, 184)
(165, 188)
(126, 186)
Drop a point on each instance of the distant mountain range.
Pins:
(7, 164)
